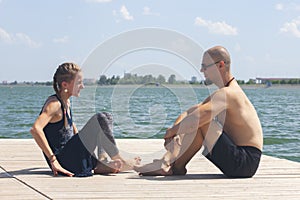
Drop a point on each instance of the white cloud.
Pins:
(25, 39)
(61, 40)
(18, 38)
(125, 14)
(98, 1)
(292, 27)
(216, 27)
(147, 11)
(5, 36)
(279, 6)
(287, 7)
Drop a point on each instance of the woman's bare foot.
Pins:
(129, 164)
(108, 167)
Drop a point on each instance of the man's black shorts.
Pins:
(234, 161)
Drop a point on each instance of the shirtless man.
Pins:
(226, 124)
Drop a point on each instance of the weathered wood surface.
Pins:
(24, 175)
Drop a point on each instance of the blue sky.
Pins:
(263, 37)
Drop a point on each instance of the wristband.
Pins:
(52, 158)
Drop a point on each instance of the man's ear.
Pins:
(222, 64)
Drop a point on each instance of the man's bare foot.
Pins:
(156, 168)
(159, 168)
(178, 172)
(108, 167)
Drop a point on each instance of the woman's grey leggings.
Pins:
(98, 132)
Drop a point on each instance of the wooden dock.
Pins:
(24, 175)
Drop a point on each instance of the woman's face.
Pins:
(76, 85)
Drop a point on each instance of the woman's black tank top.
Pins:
(57, 133)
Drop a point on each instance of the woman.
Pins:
(67, 151)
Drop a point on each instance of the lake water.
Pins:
(147, 111)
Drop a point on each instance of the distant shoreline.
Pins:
(244, 86)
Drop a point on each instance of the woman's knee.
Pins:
(104, 117)
(106, 124)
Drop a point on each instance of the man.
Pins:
(226, 124)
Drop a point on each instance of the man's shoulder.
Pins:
(221, 92)
(232, 90)
(228, 94)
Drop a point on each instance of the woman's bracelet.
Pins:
(52, 158)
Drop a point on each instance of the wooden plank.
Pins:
(30, 178)
(11, 188)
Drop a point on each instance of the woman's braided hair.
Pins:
(65, 72)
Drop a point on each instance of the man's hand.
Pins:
(171, 132)
(172, 143)
(168, 145)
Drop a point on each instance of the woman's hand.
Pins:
(56, 167)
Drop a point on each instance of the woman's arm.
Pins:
(49, 112)
(37, 132)
(75, 130)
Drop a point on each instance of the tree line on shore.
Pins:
(130, 79)
(149, 79)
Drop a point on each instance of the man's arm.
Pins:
(200, 115)
(185, 114)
